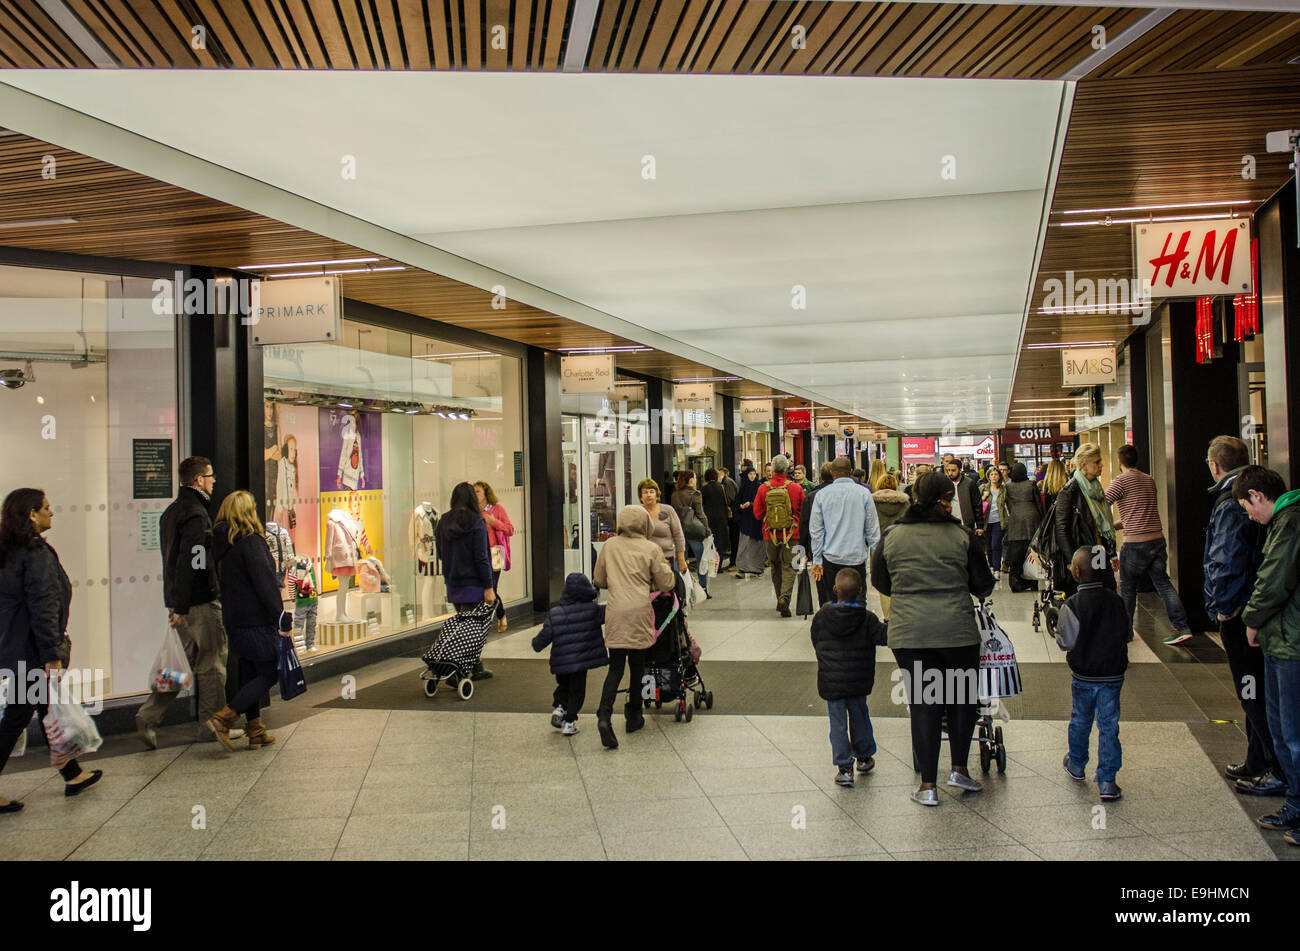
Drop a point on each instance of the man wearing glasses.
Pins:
(191, 595)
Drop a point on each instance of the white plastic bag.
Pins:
(21, 746)
(171, 668)
(1033, 569)
(68, 727)
(709, 559)
(694, 593)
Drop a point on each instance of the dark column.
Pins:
(728, 434)
(1279, 278)
(775, 444)
(1138, 411)
(545, 478)
(661, 448)
(1196, 420)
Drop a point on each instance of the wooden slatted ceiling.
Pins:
(1147, 141)
(121, 214)
(844, 38)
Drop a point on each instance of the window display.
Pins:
(367, 436)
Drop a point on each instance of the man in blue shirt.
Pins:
(844, 528)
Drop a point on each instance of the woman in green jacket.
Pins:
(930, 565)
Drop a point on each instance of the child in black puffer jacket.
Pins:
(573, 629)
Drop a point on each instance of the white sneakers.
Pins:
(569, 729)
(557, 717)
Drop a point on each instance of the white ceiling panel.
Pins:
(907, 209)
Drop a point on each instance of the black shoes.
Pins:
(1240, 771)
(635, 719)
(1267, 783)
(13, 805)
(606, 728)
(784, 608)
(1287, 819)
(75, 789)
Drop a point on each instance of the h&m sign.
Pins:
(1193, 258)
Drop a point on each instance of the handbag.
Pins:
(68, 727)
(498, 558)
(292, 681)
(999, 674)
(803, 602)
(693, 528)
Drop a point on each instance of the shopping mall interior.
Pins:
(357, 253)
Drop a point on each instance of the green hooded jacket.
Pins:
(1274, 606)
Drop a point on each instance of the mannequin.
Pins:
(279, 541)
(420, 535)
(341, 555)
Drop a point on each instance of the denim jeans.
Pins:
(1149, 558)
(696, 550)
(851, 733)
(993, 542)
(1282, 698)
(1099, 702)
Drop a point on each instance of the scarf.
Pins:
(1285, 499)
(1100, 508)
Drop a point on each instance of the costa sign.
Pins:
(1041, 434)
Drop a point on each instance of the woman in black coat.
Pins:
(1082, 518)
(715, 510)
(252, 611)
(461, 539)
(35, 598)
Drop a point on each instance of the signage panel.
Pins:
(1088, 366)
(300, 310)
(1193, 258)
(756, 411)
(693, 396)
(587, 373)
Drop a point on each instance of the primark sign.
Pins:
(304, 310)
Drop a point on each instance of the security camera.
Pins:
(1283, 140)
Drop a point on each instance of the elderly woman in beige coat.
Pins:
(630, 566)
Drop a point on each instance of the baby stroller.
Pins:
(669, 662)
(457, 649)
(1048, 606)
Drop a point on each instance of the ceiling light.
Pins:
(635, 348)
(1136, 221)
(708, 379)
(464, 416)
(323, 273)
(1065, 346)
(38, 222)
(1189, 204)
(345, 405)
(271, 267)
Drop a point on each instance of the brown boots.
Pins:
(224, 719)
(257, 735)
(220, 723)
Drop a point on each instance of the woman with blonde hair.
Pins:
(878, 472)
(253, 613)
(1053, 482)
(499, 532)
(1082, 519)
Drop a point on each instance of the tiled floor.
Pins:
(441, 785)
(381, 777)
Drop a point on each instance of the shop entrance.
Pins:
(602, 467)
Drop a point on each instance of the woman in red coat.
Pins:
(499, 532)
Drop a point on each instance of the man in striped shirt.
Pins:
(1144, 552)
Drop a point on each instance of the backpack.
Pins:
(778, 517)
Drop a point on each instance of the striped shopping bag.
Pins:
(999, 672)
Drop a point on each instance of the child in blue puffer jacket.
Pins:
(573, 629)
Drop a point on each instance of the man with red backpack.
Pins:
(777, 507)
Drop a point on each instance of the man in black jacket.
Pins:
(1234, 547)
(966, 498)
(191, 595)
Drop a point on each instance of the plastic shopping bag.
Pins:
(292, 681)
(709, 559)
(68, 727)
(1033, 569)
(5, 686)
(171, 668)
(694, 592)
(999, 673)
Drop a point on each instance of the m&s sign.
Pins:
(1087, 366)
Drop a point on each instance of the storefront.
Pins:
(606, 454)
(90, 416)
(1035, 446)
(364, 439)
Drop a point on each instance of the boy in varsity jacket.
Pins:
(1093, 628)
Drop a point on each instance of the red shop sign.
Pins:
(918, 448)
(798, 419)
